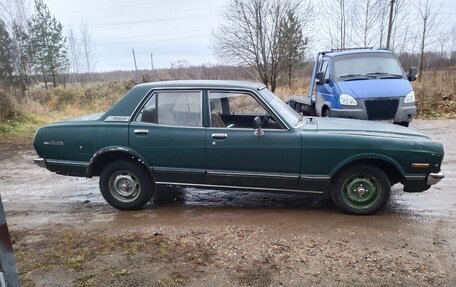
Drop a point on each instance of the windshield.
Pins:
(366, 65)
(282, 109)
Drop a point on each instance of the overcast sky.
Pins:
(170, 29)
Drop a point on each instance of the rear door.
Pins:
(169, 132)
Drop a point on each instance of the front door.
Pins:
(237, 157)
(169, 132)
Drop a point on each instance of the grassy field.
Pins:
(23, 113)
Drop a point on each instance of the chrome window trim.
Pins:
(257, 97)
(152, 91)
(238, 187)
(252, 174)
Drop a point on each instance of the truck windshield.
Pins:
(364, 66)
(282, 109)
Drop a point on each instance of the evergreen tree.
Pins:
(6, 56)
(292, 45)
(48, 45)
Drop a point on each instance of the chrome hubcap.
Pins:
(124, 186)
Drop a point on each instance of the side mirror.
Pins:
(257, 127)
(412, 74)
(320, 77)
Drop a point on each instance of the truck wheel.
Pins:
(125, 185)
(326, 113)
(361, 189)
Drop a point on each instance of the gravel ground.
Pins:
(64, 233)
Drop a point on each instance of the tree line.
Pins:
(34, 48)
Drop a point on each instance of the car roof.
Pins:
(357, 51)
(211, 84)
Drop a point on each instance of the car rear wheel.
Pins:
(361, 189)
(125, 185)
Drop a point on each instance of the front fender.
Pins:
(367, 156)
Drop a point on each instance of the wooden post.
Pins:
(8, 268)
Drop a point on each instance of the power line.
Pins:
(115, 7)
(137, 14)
(154, 35)
(153, 41)
(144, 21)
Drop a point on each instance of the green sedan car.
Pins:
(235, 135)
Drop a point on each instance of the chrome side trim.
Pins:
(181, 170)
(67, 162)
(314, 177)
(238, 187)
(252, 174)
(415, 177)
(53, 143)
(41, 162)
(117, 119)
(434, 178)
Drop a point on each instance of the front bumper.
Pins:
(404, 112)
(41, 162)
(434, 178)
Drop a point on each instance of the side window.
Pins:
(237, 110)
(175, 108)
(324, 67)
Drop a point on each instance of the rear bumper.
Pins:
(434, 178)
(41, 162)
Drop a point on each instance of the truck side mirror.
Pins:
(320, 77)
(412, 74)
(257, 126)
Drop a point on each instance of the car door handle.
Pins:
(219, 136)
(141, 132)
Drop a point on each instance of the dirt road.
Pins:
(66, 235)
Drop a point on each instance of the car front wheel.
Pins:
(361, 189)
(125, 185)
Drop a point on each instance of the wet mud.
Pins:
(239, 237)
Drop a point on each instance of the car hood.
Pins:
(376, 88)
(367, 128)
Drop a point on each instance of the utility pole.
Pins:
(390, 25)
(152, 61)
(134, 59)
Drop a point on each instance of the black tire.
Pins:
(125, 185)
(404, 124)
(326, 113)
(361, 189)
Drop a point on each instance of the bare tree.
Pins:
(337, 22)
(368, 12)
(250, 35)
(429, 23)
(17, 15)
(87, 49)
(75, 53)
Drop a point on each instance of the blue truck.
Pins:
(367, 84)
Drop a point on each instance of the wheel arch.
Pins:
(392, 169)
(109, 154)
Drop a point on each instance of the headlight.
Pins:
(347, 100)
(410, 98)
